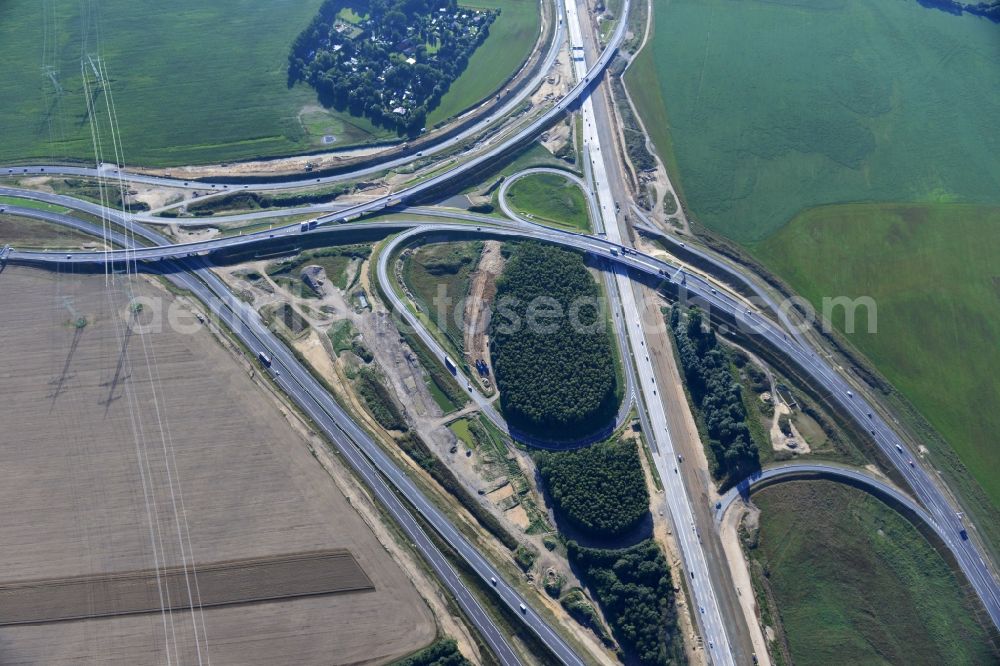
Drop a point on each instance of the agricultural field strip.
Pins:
(219, 584)
(442, 145)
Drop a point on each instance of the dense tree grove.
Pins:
(634, 590)
(716, 394)
(550, 345)
(599, 489)
(394, 62)
(443, 652)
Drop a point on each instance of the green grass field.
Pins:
(27, 233)
(764, 108)
(934, 273)
(443, 269)
(462, 431)
(856, 583)
(342, 335)
(512, 37)
(552, 200)
(31, 203)
(195, 82)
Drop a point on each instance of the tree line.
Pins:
(634, 590)
(716, 395)
(555, 373)
(600, 489)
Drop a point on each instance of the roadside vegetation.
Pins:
(239, 202)
(442, 652)
(87, 189)
(844, 578)
(334, 261)
(415, 447)
(379, 401)
(716, 396)
(600, 489)
(550, 199)
(533, 155)
(442, 385)
(635, 137)
(26, 233)
(437, 274)
(634, 589)
(556, 376)
(932, 271)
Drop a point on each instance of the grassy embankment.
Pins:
(856, 583)
(550, 199)
(27, 233)
(441, 270)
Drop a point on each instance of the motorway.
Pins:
(710, 298)
(363, 454)
(703, 584)
(941, 513)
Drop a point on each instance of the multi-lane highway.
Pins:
(364, 455)
(715, 300)
(380, 472)
(703, 581)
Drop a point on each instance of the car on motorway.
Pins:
(524, 609)
(493, 581)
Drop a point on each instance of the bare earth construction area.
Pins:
(122, 462)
